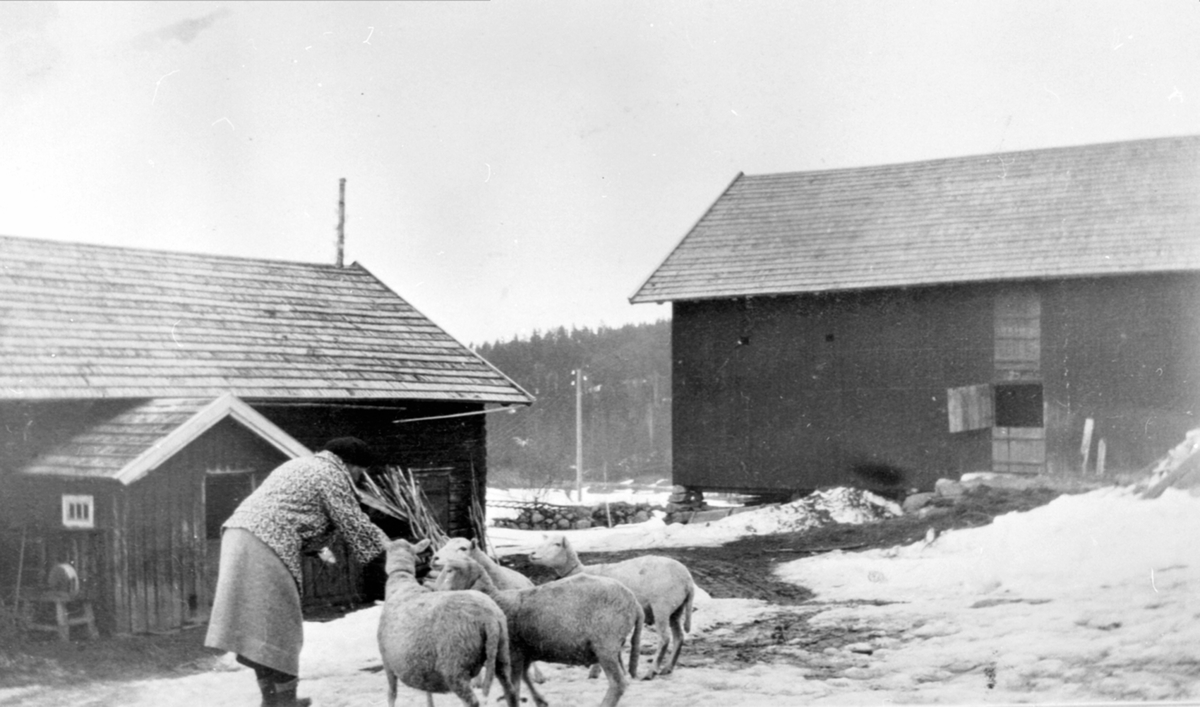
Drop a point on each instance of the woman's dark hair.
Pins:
(351, 450)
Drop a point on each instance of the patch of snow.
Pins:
(838, 505)
(1093, 596)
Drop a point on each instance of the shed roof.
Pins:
(90, 321)
(1093, 210)
(135, 440)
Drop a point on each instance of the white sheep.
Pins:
(503, 577)
(582, 620)
(436, 641)
(663, 586)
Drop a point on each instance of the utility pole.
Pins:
(579, 434)
(341, 229)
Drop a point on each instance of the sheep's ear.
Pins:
(420, 547)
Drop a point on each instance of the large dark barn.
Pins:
(1028, 312)
(143, 394)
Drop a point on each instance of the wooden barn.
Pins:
(144, 394)
(883, 326)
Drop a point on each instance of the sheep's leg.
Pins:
(510, 680)
(462, 688)
(428, 699)
(635, 644)
(539, 700)
(617, 682)
(391, 678)
(594, 671)
(676, 640)
(660, 628)
(508, 690)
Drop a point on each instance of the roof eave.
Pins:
(228, 405)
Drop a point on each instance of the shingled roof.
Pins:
(133, 440)
(90, 321)
(1094, 210)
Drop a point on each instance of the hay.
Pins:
(397, 493)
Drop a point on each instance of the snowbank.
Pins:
(1093, 596)
(1074, 544)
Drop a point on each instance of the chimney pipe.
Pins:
(341, 227)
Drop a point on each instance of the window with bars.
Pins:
(78, 511)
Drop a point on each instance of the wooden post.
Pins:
(341, 227)
(1085, 448)
(20, 568)
(579, 434)
(1101, 452)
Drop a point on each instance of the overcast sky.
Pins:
(518, 165)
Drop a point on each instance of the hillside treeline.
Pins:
(626, 404)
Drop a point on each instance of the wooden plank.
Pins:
(1085, 445)
(120, 566)
(969, 407)
(164, 559)
(137, 567)
(196, 541)
(1027, 451)
(1000, 452)
(178, 552)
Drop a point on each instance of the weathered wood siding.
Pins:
(453, 449)
(1124, 351)
(798, 392)
(151, 564)
(164, 566)
(32, 512)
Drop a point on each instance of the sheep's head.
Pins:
(402, 556)
(553, 551)
(454, 548)
(462, 573)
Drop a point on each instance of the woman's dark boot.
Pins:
(285, 694)
(267, 687)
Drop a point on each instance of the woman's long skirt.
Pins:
(256, 609)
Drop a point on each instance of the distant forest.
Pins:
(626, 405)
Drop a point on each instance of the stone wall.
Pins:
(541, 516)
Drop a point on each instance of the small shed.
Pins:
(883, 326)
(144, 394)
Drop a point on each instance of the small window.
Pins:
(1019, 405)
(78, 511)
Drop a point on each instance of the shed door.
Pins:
(1019, 431)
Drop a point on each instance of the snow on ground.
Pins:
(839, 505)
(1093, 597)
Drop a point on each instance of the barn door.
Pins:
(1019, 428)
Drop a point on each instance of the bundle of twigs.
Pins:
(479, 518)
(397, 493)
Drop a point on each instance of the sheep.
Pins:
(663, 587)
(502, 577)
(580, 620)
(436, 641)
